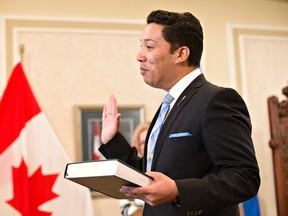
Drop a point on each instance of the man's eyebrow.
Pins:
(146, 40)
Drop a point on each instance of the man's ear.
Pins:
(182, 54)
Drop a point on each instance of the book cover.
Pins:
(106, 176)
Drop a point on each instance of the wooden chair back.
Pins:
(278, 119)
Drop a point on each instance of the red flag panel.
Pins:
(14, 112)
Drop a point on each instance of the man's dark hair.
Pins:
(180, 29)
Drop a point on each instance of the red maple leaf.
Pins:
(31, 192)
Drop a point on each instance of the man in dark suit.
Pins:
(203, 162)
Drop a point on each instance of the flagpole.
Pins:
(21, 52)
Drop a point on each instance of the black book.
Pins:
(106, 176)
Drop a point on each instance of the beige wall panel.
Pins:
(263, 62)
(83, 68)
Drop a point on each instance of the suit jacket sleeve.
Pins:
(119, 148)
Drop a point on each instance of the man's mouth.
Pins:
(143, 70)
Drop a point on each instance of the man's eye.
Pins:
(149, 47)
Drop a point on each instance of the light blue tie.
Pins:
(156, 129)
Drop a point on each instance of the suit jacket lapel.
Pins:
(181, 102)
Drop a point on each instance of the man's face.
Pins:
(157, 64)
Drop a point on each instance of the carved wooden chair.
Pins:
(278, 118)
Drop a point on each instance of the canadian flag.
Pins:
(32, 159)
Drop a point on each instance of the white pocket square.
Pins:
(182, 134)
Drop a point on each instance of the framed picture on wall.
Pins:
(91, 126)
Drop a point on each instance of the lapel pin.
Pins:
(181, 100)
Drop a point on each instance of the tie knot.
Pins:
(168, 98)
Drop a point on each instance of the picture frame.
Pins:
(90, 127)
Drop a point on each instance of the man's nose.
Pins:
(140, 56)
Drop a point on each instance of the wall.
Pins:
(77, 54)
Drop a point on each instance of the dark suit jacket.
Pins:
(213, 164)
